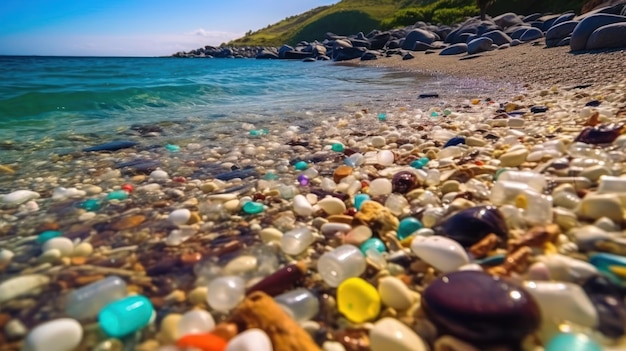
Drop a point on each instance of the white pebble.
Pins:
(442, 253)
(250, 340)
(159, 175)
(19, 197)
(390, 334)
(63, 334)
(5, 256)
(180, 216)
(380, 186)
(195, 322)
(395, 294)
(302, 206)
(332, 205)
(64, 245)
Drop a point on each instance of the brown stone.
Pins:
(128, 222)
(226, 331)
(340, 219)
(377, 217)
(484, 246)
(88, 279)
(194, 218)
(341, 172)
(258, 310)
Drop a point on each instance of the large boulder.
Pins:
(347, 53)
(296, 55)
(498, 37)
(532, 17)
(516, 32)
(283, 49)
(379, 40)
(558, 32)
(360, 43)
(418, 35)
(454, 49)
(588, 25)
(267, 54)
(611, 36)
(507, 20)
(531, 34)
(472, 26)
(369, 55)
(479, 45)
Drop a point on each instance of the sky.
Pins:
(134, 27)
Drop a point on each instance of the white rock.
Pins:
(596, 206)
(389, 334)
(442, 253)
(302, 206)
(5, 256)
(241, 265)
(333, 346)
(250, 340)
(159, 175)
(62, 193)
(563, 301)
(385, 158)
(63, 334)
(564, 268)
(269, 235)
(180, 216)
(378, 141)
(395, 294)
(358, 235)
(380, 186)
(15, 329)
(17, 286)
(64, 245)
(19, 197)
(332, 205)
(332, 228)
(195, 322)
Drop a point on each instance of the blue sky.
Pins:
(133, 27)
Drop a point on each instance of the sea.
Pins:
(55, 105)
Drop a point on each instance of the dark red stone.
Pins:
(480, 308)
(281, 280)
(403, 182)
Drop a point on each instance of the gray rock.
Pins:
(267, 54)
(517, 33)
(473, 26)
(611, 36)
(393, 44)
(296, 55)
(379, 40)
(565, 41)
(347, 53)
(454, 49)
(369, 55)
(507, 20)
(548, 21)
(516, 42)
(283, 49)
(479, 45)
(498, 37)
(418, 35)
(531, 34)
(360, 43)
(532, 17)
(420, 46)
(342, 43)
(407, 56)
(588, 25)
(563, 18)
(557, 32)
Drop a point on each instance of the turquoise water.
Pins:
(46, 101)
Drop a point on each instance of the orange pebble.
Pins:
(204, 342)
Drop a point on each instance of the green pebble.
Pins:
(91, 205)
(47, 235)
(301, 165)
(270, 176)
(382, 117)
(338, 147)
(172, 148)
(359, 199)
(117, 195)
(373, 243)
(252, 207)
(434, 114)
(408, 226)
(572, 342)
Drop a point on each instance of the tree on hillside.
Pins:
(482, 5)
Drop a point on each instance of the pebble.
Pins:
(63, 334)
(18, 197)
(572, 342)
(395, 294)
(224, 293)
(195, 322)
(270, 235)
(64, 245)
(596, 206)
(445, 255)
(302, 206)
(241, 265)
(5, 256)
(253, 339)
(563, 302)
(332, 205)
(488, 303)
(24, 284)
(380, 186)
(180, 216)
(358, 300)
(15, 329)
(390, 334)
(513, 158)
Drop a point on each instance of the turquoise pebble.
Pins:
(270, 176)
(408, 226)
(373, 243)
(572, 342)
(125, 316)
(91, 205)
(419, 164)
(382, 117)
(172, 148)
(604, 261)
(301, 165)
(492, 260)
(47, 235)
(358, 200)
(434, 114)
(117, 195)
(252, 207)
(337, 147)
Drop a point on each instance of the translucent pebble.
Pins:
(380, 186)
(172, 148)
(225, 293)
(328, 184)
(303, 180)
(433, 177)
(340, 264)
(301, 303)
(395, 294)
(296, 241)
(302, 206)
(562, 301)
(287, 192)
(87, 301)
(63, 334)
(358, 235)
(195, 322)
(180, 216)
(385, 158)
(535, 180)
(442, 253)
(355, 160)
(397, 204)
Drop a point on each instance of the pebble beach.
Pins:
(479, 223)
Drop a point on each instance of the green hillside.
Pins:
(353, 16)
